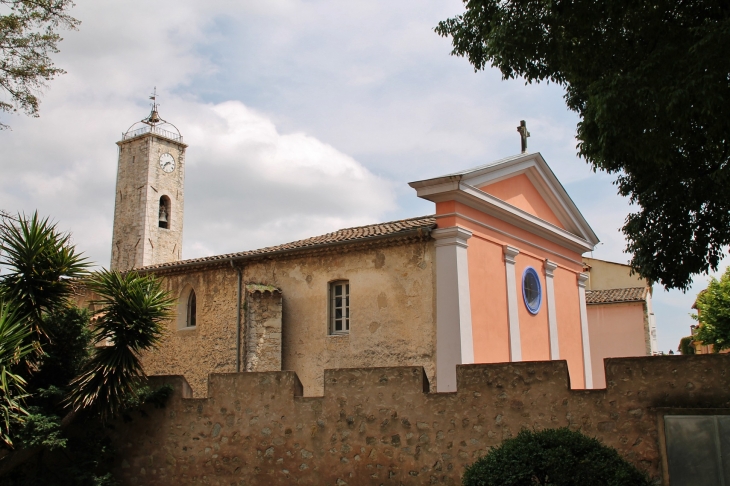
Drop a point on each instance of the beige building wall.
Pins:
(391, 306)
(603, 275)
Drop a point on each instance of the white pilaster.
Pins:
(652, 324)
(515, 345)
(552, 315)
(587, 367)
(454, 341)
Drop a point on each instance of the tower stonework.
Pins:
(148, 210)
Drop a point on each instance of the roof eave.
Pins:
(233, 258)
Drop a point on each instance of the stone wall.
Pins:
(263, 328)
(378, 426)
(392, 307)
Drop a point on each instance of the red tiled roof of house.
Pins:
(346, 235)
(614, 296)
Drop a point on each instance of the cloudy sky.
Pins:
(302, 116)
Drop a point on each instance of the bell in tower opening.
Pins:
(164, 212)
(148, 212)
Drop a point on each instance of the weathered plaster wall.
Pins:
(605, 275)
(391, 307)
(378, 426)
(210, 346)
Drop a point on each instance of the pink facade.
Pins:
(615, 333)
(514, 215)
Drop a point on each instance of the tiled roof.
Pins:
(346, 235)
(614, 296)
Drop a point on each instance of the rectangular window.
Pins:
(340, 307)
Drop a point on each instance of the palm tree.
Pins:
(43, 268)
(132, 311)
(14, 347)
(42, 264)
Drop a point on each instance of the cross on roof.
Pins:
(523, 134)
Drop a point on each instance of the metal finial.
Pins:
(523, 134)
(154, 117)
(154, 99)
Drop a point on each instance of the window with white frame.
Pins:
(339, 307)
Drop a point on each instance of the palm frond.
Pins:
(130, 319)
(14, 347)
(41, 261)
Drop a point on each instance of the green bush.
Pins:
(554, 457)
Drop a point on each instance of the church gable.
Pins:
(520, 190)
(521, 193)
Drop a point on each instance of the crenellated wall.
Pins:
(378, 426)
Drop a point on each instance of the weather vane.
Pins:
(154, 99)
(154, 118)
(523, 134)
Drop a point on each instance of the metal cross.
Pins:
(523, 134)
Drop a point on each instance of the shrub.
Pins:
(554, 457)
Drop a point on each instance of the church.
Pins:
(496, 274)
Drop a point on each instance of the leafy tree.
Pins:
(553, 457)
(28, 37)
(713, 313)
(649, 80)
(685, 345)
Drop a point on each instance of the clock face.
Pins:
(167, 162)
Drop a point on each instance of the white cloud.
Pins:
(247, 184)
(302, 117)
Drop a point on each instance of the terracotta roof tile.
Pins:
(392, 228)
(613, 296)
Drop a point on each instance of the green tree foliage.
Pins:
(132, 310)
(649, 80)
(40, 263)
(65, 349)
(685, 345)
(79, 368)
(553, 457)
(28, 37)
(14, 347)
(713, 313)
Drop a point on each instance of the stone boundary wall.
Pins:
(381, 426)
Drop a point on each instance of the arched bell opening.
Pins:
(165, 214)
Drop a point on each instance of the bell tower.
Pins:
(148, 209)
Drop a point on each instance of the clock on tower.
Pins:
(148, 210)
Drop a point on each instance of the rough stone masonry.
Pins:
(381, 426)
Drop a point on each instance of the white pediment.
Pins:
(465, 187)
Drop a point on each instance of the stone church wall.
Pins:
(378, 426)
(392, 309)
(263, 329)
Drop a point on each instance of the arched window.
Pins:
(192, 311)
(165, 214)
